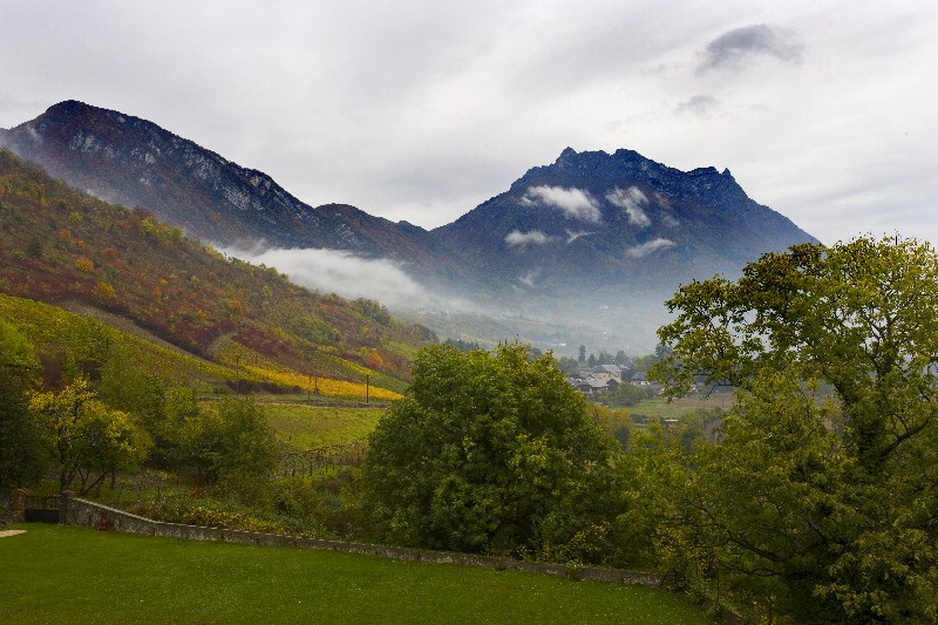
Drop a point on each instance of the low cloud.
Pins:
(631, 201)
(575, 203)
(646, 249)
(334, 271)
(534, 237)
(734, 48)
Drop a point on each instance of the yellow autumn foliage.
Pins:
(325, 386)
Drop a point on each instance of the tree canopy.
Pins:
(489, 452)
(86, 438)
(820, 494)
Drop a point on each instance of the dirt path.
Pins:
(5, 533)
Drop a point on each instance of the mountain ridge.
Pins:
(132, 161)
(591, 230)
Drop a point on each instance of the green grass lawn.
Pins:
(76, 575)
(308, 427)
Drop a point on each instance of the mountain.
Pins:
(583, 250)
(602, 240)
(598, 220)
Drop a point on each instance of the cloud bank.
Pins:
(575, 203)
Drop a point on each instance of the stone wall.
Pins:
(90, 514)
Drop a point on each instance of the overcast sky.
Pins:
(421, 109)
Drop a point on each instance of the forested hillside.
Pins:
(65, 248)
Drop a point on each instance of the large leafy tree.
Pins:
(87, 439)
(491, 452)
(820, 496)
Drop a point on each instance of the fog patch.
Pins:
(631, 201)
(573, 236)
(528, 279)
(343, 273)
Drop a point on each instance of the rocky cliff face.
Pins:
(134, 162)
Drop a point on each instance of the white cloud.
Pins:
(575, 203)
(534, 237)
(334, 271)
(573, 236)
(646, 249)
(631, 200)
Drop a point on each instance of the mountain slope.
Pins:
(134, 162)
(65, 248)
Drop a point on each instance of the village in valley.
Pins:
(600, 379)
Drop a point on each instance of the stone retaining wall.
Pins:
(90, 514)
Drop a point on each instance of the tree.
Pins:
(85, 437)
(21, 448)
(108, 442)
(822, 489)
(235, 446)
(491, 453)
(627, 394)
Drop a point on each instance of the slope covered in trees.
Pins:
(65, 248)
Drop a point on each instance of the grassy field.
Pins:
(308, 427)
(76, 575)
